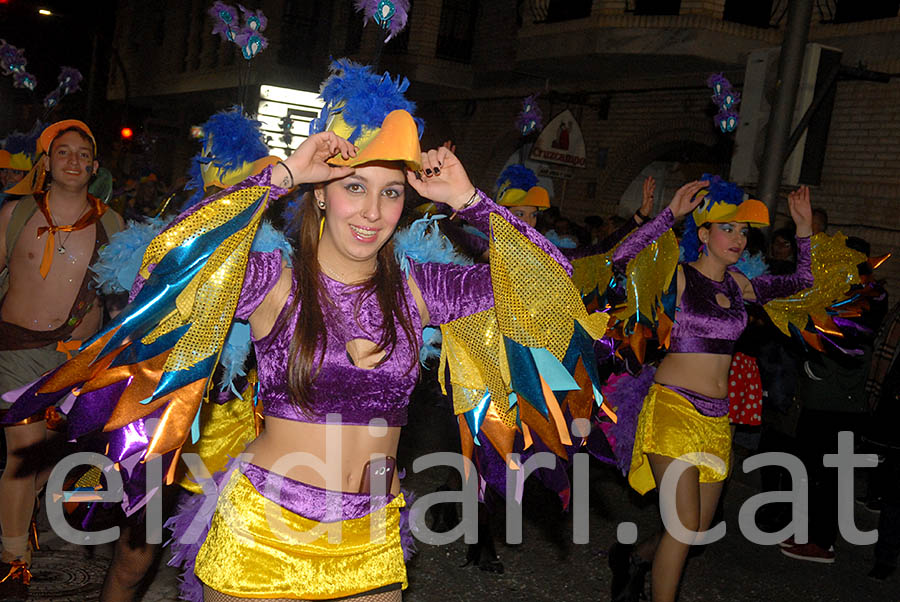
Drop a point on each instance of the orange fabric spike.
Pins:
(175, 424)
(500, 436)
(545, 429)
(813, 341)
(173, 465)
(80, 367)
(827, 326)
(526, 435)
(68, 347)
(876, 262)
(638, 342)
(467, 443)
(580, 402)
(664, 329)
(610, 413)
(555, 412)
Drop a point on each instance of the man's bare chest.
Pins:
(69, 253)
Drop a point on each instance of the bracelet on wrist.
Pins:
(469, 203)
(288, 169)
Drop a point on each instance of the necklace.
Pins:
(61, 249)
(338, 275)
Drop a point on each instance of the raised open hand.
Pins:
(648, 190)
(309, 163)
(443, 179)
(686, 198)
(801, 211)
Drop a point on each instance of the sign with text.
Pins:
(560, 142)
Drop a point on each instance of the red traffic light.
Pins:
(126, 133)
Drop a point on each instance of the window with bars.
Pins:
(456, 32)
(554, 11)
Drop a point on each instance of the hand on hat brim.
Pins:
(396, 140)
(309, 164)
(443, 179)
(686, 198)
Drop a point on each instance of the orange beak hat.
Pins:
(722, 202)
(34, 180)
(370, 111)
(517, 187)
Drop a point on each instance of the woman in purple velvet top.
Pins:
(336, 340)
(683, 425)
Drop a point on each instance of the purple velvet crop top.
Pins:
(359, 395)
(702, 325)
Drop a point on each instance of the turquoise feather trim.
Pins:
(423, 242)
(118, 262)
(752, 266)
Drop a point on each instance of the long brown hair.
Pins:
(307, 351)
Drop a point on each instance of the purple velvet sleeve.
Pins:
(452, 291)
(263, 271)
(604, 245)
(263, 178)
(769, 286)
(642, 237)
(478, 215)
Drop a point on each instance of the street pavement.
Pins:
(547, 565)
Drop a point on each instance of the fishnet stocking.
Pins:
(392, 595)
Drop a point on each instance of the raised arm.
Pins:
(682, 203)
(452, 291)
(768, 287)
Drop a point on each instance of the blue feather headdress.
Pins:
(363, 98)
(515, 177)
(231, 140)
(719, 191)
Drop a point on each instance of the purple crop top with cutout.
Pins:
(359, 395)
(702, 324)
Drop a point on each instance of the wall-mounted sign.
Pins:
(547, 170)
(560, 142)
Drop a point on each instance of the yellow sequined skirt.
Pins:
(669, 425)
(257, 549)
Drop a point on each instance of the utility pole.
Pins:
(790, 66)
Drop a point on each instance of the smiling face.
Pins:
(725, 241)
(526, 213)
(361, 213)
(71, 161)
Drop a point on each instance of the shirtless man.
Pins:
(48, 241)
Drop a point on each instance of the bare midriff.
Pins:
(704, 373)
(332, 457)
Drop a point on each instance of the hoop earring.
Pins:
(321, 227)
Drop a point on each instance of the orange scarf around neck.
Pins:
(95, 210)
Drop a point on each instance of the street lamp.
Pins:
(45, 12)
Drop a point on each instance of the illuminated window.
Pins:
(277, 104)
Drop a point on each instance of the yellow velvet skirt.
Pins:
(669, 425)
(257, 549)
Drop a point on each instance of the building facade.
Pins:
(632, 72)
